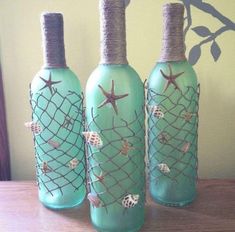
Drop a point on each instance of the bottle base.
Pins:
(61, 207)
(98, 229)
(57, 206)
(173, 204)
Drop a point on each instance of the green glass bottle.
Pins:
(172, 105)
(115, 132)
(57, 123)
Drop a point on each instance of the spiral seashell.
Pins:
(186, 147)
(164, 168)
(93, 138)
(34, 126)
(53, 143)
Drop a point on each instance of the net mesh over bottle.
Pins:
(172, 134)
(114, 169)
(59, 152)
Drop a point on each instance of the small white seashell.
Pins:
(186, 147)
(164, 168)
(130, 200)
(94, 199)
(73, 163)
(93, 138)
(53, 143)
(157, 112)
(34, 126)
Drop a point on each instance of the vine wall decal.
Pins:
(207, 35)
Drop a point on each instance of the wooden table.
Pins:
(213, 210)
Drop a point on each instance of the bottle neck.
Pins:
(53, 40)
(113, 32)
(173, 48)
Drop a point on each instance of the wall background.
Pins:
(21, 58)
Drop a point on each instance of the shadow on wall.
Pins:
(203, 31)
(4, 147)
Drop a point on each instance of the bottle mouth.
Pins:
(174, 5)
(113, 32)
(52, 27)
(173, 8)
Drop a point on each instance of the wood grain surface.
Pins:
(213, 210)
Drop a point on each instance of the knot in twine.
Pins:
(173, 37)
(53, 40)
(113, 31)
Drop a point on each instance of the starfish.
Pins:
(188, 116)
(45, 169)
(67, 122)
(111, 97)
(125, 148)
(49, 83)
(171, 78)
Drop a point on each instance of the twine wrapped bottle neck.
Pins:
(53, 40)
(113, 32)
(173, 48)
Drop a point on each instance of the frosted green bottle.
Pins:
(115, 134)
(57, 123)
(172, 105)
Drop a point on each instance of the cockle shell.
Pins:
(186, 147)
(53, 143)
(34, 126)
(156, 111)
(73, 163)
(164, 168)
(163, 137)
(93, 138)
(130, 200)
(94, 199)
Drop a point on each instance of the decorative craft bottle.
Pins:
(172, 105)
(57, 123)
(115, 134)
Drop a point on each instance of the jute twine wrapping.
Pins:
(113, 32)
(173, 37)
(53, 40)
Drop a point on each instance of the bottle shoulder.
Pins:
(121, 74)
(183, 71)
(59, 78)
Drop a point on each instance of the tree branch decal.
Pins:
(203, 31)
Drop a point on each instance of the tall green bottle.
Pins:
(57, 123)
(172, 105)
(115, 132)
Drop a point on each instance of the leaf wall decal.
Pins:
(215, 50)
(194, 54)
(202, 31)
